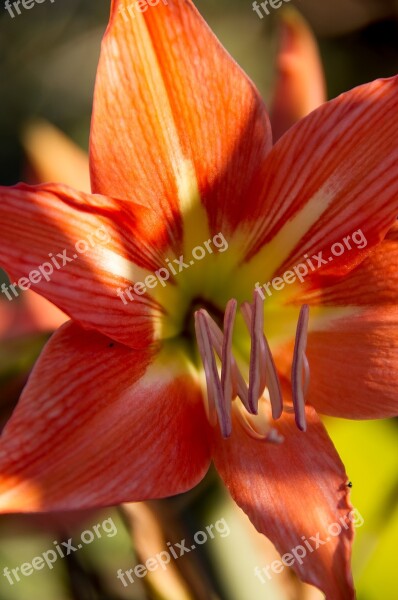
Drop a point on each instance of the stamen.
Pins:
(227, 379)
(273, 383)
(246, 310)
(256, 380)
(271, 379)
(214, 388)
(306, 375)
(240, 384)
(203, 351)
(299, 363)
(264, 384)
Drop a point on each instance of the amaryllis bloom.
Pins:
(128, 400)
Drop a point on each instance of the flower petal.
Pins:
(295, 493)
(331, 174)
(374, 283)
(182, 119)
(359, 354)
(92, 246)
(300, 85)
(353, 338)
(99, 424)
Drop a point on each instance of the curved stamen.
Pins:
(271, 374)
(274, 386)
(203, 351)
(241, 387)
(246, 310)
(263, 376)
(214, 387)
(256, 332)
(227, 379)
(254, 319)
(306, 384)
(298, 389)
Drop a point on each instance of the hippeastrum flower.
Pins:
(127, 401)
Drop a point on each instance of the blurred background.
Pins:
(48, 59)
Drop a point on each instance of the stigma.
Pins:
(228, 394)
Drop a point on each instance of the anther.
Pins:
(267, 365)
(228, 382)
(256, 382)
(206, 353)
(238, 379)
(300, 368)
(264, 384)
(306, 375)
(222, 404)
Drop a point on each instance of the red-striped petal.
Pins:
(186, 125)
(93, 247)
(99, 424)
(353, 339)
(292, 492)
(354, 366)
(331, 175)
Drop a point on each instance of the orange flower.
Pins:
(119, 407)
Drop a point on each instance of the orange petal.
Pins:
(374, 283)
(331, 174)
(295, 493)
(354, 366)
(99, 424)
(175, 120)
(93, 248)
(358, 350)
(300, 85)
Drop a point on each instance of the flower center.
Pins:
(264, 385)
